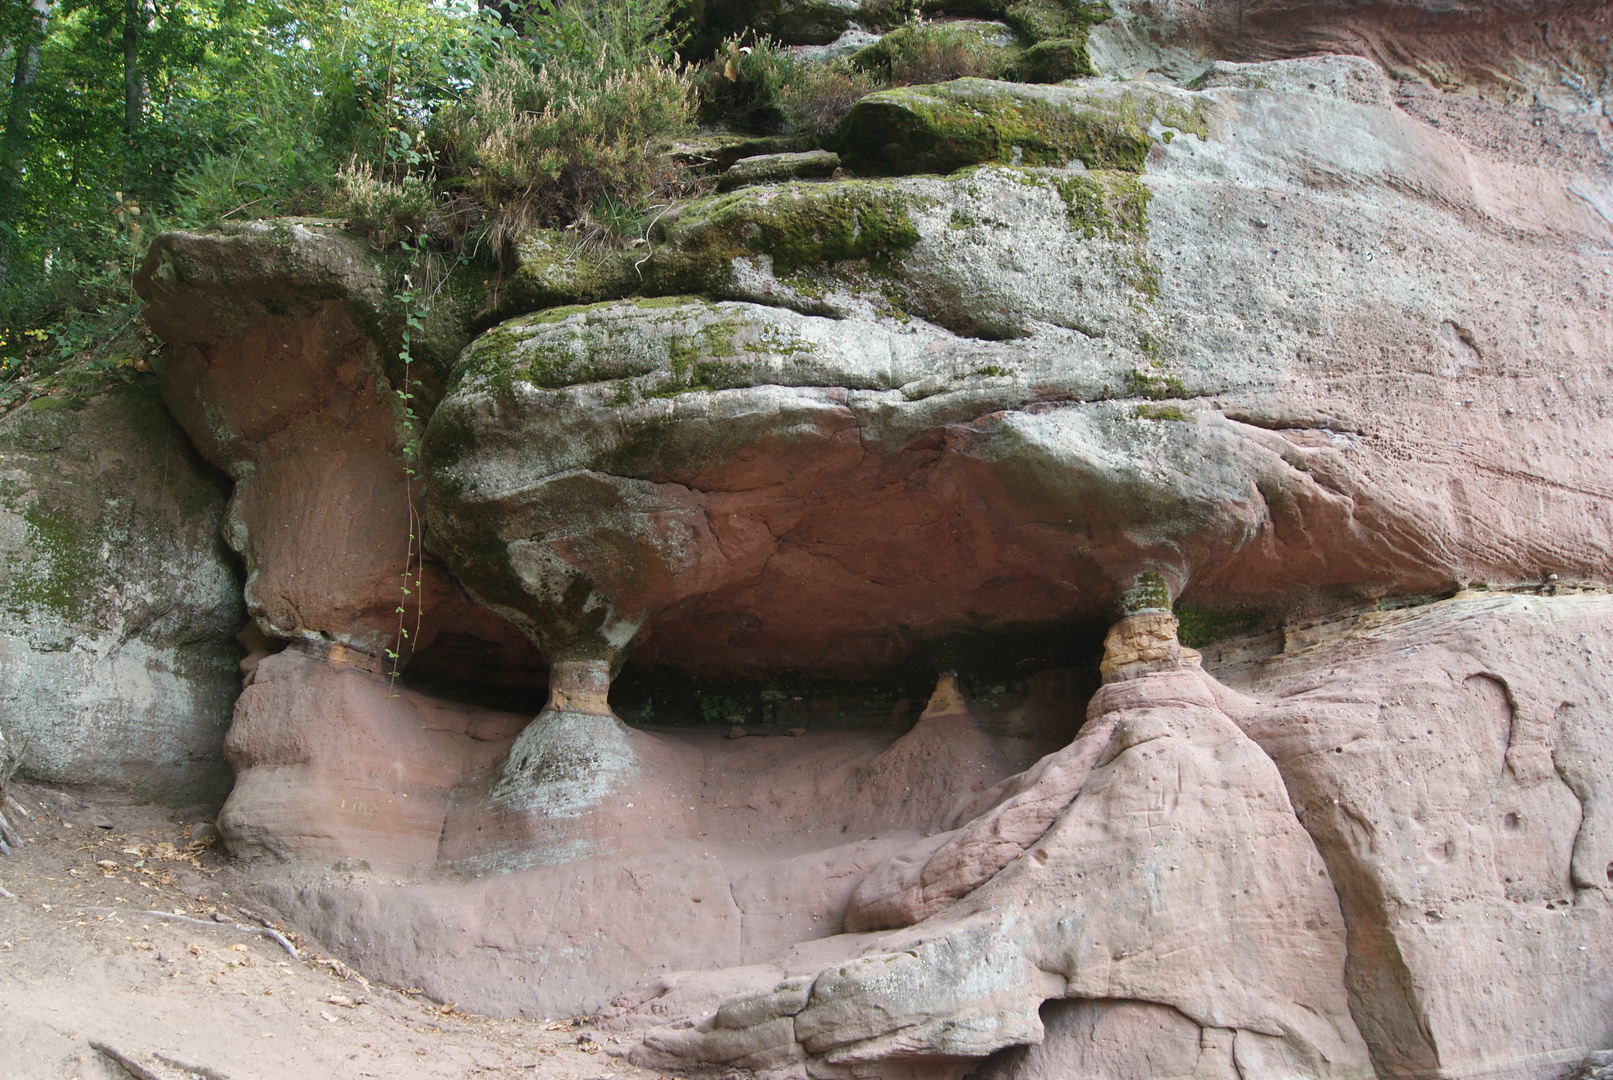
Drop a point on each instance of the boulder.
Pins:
(1007, 392)
(940, 128)
(280, 367)
(773, 168)
(1055, 61)
(118, 602)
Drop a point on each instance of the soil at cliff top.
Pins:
(84, 966)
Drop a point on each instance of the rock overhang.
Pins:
(1313, 347)
(1097, 373)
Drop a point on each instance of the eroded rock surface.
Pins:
(1310, 336)
(1155, 859)
(118, 602)
(1450, 763)
(1193, 378)
(702, 850)
(1514, 51)
(277, 370)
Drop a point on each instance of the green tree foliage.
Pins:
(124, 117)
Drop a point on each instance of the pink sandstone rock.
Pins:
(1450, 761)
(272, 369)
(1162, 863)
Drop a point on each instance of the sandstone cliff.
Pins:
(1277, 330)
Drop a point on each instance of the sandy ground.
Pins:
(89, 978)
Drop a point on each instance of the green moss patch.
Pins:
(799, 225)
(1047, 20)
(553, 269)
(648, 349)
(1154, 386)
(941, 128)
(1148, 592)
(1055, 61)
(1202, 626)
(606, 347)
(1106, 203)
(67, 572)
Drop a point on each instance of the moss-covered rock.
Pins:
(776, 168)
(923, 247)
(1109, 203)
(118, 601)
(717, 151)
(795, 225)
(1050, 20)
(914, 129)
(552, 269)
(1054, 61)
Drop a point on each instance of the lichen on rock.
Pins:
(118, 602)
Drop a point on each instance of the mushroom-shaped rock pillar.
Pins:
(1154, 865)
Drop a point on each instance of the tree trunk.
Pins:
(133, 25)
(14, 139)
(22, 79)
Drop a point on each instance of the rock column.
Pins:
(576, 754)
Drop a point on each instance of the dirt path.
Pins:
(88, 977)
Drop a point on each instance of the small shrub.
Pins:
(544, 146)
(820, 95)
(385, 211)
(922, 53)
(744, 84)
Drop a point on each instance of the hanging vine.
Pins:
(413, 299)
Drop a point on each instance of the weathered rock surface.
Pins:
(1279, 365)
(118, 602)
(1299, 339)
(1450, 762)
(1110, 1039)
(1434, 756)
(335, 763)
(698, 850)
(277, 369)
(1517, 51)
(1155, 859)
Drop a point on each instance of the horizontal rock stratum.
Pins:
(1301, 351)
(1282, 361)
